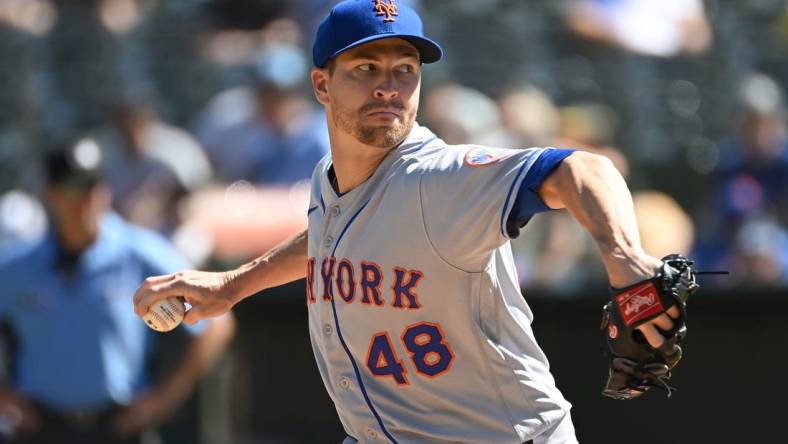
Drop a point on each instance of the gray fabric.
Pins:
(428, 214)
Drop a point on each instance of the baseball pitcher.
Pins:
(417, 323)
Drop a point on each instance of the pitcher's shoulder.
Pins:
(441, 158)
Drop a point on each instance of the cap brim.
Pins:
(429, 51)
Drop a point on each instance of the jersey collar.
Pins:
(414, 142)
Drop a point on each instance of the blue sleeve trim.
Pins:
(508, 196)
(309, 211)
(527, 203)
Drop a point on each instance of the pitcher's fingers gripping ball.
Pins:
(636, 366)
(166, 314)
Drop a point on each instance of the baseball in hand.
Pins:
(165, 315)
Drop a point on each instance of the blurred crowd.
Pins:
(203, 113)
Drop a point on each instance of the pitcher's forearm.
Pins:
(591, 188)
(282, 264)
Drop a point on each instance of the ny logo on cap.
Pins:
(387, 9)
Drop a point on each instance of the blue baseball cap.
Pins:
(354, 22)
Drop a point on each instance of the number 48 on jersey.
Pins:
(430, 354)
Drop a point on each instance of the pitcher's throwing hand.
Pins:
(206, 292)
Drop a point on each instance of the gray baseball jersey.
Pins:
(417, 323)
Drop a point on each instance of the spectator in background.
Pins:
(21, 22)
(760, 148)
(150, 166)
(170, 56)
(643, 26)
(745, 211)
(633, 48)
(665, 228)
(464, 115)
(530, 115)
(591, 127)
(278, 136)
(80, 53)
(80, 370)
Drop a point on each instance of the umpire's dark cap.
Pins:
(74, 164)
(354, 22)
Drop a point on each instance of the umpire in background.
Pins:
(80, 367)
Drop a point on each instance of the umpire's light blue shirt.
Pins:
(80, 344)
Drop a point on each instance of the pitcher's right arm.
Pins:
(212, 294)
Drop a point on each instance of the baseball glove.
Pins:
(635, 366)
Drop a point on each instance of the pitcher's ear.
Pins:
(320, 84)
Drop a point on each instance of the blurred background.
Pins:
(209, 132)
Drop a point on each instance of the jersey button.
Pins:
(328, 241)
(372, 433)
(344, 383)
(327, 329)
(335, 211)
